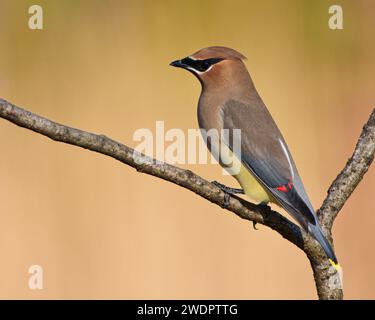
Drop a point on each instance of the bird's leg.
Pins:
(263, 206)
(226, 200)
(228, 191)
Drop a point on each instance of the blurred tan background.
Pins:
(98, 228)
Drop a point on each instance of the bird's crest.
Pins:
(218, 52)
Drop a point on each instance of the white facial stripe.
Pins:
(211, 61)
(199, 72)
(195, 71)
(209, 68)
(287, 156)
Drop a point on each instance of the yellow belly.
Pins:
(253, 189)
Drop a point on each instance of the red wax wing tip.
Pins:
(282, 188)
(285, 187)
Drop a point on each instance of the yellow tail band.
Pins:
(335, 265)
(339, 272)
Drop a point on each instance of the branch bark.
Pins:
(326, 278)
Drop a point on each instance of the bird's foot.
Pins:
(226, 200)
(228, 191)
(263, 206)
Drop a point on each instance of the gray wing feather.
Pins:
(265, 153)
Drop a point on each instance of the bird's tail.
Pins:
(303, 212)
(317, 233)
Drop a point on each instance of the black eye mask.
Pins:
(200, 65)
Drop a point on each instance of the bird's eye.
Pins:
(200, 65)
(205, 65)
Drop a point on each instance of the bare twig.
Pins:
(326, 279)
(348, 179)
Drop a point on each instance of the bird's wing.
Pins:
(264, 152)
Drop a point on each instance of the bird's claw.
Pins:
(263, 206)
(226, 189)
(226, 200)
(227, 192)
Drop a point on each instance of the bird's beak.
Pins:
(178, 64)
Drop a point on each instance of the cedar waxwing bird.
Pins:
(267, 173)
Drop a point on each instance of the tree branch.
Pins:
(326, 279)
(348, 179)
